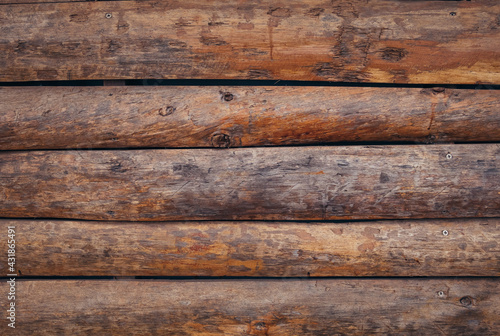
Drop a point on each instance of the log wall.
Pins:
(357, 192)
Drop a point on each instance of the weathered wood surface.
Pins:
(18, 2)
(352, 41)
(266, 307)
(284, 183)
(114, 117)
(278, 249)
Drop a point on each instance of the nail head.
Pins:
(108, 15)
(445, 232)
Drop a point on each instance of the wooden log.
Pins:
(114, 117)
(349, 41)
(284, 183)
(18, 2)
(256, 249)
(265, 307)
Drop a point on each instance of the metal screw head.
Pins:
(449, 156)
(445, 232)
(440, 293)
(108, 15)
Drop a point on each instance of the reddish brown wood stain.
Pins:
(351, 41)
(395, 248)
(368, 41)
(114, 117)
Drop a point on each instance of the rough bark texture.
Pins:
(266, 307)
(352, 41)
(308, 183)
(396, 248)
(114, 117)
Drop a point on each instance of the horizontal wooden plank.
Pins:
(395, 248)
(351, 41)
(284, 183)
(18, 2)
(264, 307)
(114, 117)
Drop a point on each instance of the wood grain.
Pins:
(256, 249)
(351, 41)
(284, 183)
(127, 117)
(18, 2)
(266, 307)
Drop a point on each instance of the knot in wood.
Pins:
(227, 96)
(221, 140)
(438, 89)
(431, 138)
(466, 301)
(166, 111)
(260, 325)
(259, 328)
